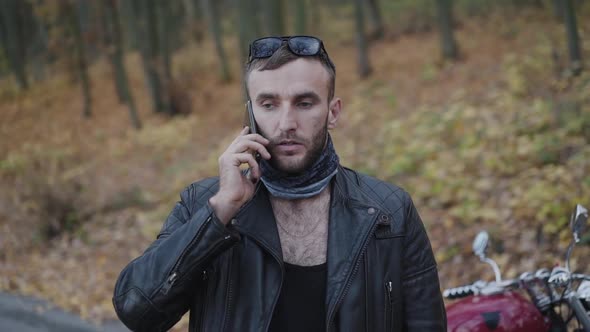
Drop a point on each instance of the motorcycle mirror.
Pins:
(480, 244)
(578, 221)
(577, 225)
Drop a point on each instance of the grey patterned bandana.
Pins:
(305, 185)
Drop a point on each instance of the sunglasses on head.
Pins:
(299, 45)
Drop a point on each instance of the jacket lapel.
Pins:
(351, 223)
(256, 219)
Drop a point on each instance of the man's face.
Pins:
(291, 108)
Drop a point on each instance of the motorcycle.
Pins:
(501, 305)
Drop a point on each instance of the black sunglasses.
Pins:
(299, 45)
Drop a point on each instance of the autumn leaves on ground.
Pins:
(498, 140)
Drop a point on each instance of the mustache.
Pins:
(274, 141)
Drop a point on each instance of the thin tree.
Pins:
(72, 17)
(275, 17)
(245, 27)
(558, 9)
(315, 16)
(145, 32)
(211, 10)
(573, 40)
(445, 22)
(155, 50)
(376, 21)
(115, 52)
(300, 21)
(108, 14)
(193, 17)
(364, 69)
(11, 36)
(164, 25)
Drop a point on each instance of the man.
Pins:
(297, 242)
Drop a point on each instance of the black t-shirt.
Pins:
(301, 305)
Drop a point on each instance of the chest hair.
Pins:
(303, 228)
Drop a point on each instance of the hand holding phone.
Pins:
(236, 187)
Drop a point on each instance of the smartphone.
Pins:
(251, 121)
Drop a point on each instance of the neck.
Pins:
(308, 184)
(301, 202)
(299, 218)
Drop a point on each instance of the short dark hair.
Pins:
(282, 56)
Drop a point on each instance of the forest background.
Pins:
(108, 109)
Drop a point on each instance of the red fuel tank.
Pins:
(504, 312)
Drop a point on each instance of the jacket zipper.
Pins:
(204, 277)
(276, 298)
(351, 276)
(174, 275)
(229, 292)
(389, 306)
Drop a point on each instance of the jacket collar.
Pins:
(352, 219)
(349, 211)
(256, 219)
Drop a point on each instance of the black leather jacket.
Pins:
(381, 275)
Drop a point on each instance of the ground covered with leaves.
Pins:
(498, 140)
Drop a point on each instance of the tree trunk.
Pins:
(194, 17)
(80, 50)
(38, 51)
(445, 20)
(146, 35)
(275, 17)
(211, 10)
(13, 40)
(573, 40)
(108, 15)
(558, 9)
(154, 53)
(245, 27)
(376, 20)
(300, 21)
(315, 16)
(164, 35)
(115, 52)
(129, 22)
(364, 68)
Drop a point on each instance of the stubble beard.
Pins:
(296, 167)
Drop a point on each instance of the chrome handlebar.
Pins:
(559, 277)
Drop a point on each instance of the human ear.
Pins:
(334, 110)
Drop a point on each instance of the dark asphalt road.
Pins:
(26, 314)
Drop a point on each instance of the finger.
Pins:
(251, 176)
(258, 138)
(251, 147)
(243, 132)
(247, 158)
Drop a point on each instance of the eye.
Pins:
(267, 105)
(304, 104)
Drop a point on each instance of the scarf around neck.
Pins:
(305, 185)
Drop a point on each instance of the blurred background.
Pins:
(109, 108)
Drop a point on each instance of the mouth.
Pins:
(289, 146)
(288, 142)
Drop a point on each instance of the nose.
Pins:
(287, 122)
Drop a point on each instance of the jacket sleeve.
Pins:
(424, 307)
(153, 291)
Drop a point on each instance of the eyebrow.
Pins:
(308, 95)
(264, 95)
(299, 96)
